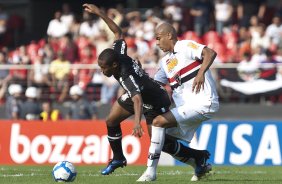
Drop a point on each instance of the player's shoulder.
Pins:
(181, 43)
(126, 64)
(186, 44)
(119, 41)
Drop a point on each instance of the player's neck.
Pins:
(172, 46)
(117, 72)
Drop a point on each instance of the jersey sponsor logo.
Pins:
(171, 64)
(193, 45)
(148, 106)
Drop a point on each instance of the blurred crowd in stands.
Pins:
(62, 67)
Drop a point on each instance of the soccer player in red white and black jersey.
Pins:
(185, 67)
(142, 94)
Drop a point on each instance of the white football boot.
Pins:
(147, 177)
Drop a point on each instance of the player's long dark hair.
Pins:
(109, 56)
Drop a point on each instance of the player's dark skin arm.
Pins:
(137, 99)
(208, 58)
(138, 103)
(91, 8)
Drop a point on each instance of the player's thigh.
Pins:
(152, 114)
(117, 115)
(188, 121)
(166, 120)
(188, 116)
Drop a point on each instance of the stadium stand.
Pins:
(230, 46)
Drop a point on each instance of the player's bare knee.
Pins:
(157, 122)
(110, 123)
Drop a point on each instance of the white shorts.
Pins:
(188, 120)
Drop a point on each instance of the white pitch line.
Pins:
(170, 173)
(21, 175)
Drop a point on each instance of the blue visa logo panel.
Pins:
(240, 142)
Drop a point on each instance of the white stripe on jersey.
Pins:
(124, 87)
(133, 81)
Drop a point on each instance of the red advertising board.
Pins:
(80, 142)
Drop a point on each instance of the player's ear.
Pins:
(115, 64)
(169, 35)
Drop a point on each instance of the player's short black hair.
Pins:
(109, 56)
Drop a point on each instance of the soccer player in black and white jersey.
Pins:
(142, 94)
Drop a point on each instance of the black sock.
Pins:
(186, 153)
(179, 151)
(114, 137)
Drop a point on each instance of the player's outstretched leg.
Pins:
(195, 158)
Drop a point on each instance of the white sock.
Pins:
(157, 142)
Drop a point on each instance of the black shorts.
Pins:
(149, 114)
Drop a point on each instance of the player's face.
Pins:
(108, 70)
(162, 41)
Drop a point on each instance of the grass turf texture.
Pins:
(129, 174)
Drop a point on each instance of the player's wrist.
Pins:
(201, 72)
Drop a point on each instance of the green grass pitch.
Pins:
(129, 174)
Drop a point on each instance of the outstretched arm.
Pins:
(91, 8)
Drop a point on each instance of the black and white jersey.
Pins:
(135, 80)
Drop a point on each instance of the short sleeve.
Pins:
(192, 49)
(120, 46)
(160, 76)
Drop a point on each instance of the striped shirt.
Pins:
(179, 68)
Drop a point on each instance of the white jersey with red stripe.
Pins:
(179, 70)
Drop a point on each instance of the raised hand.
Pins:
(91, 8)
